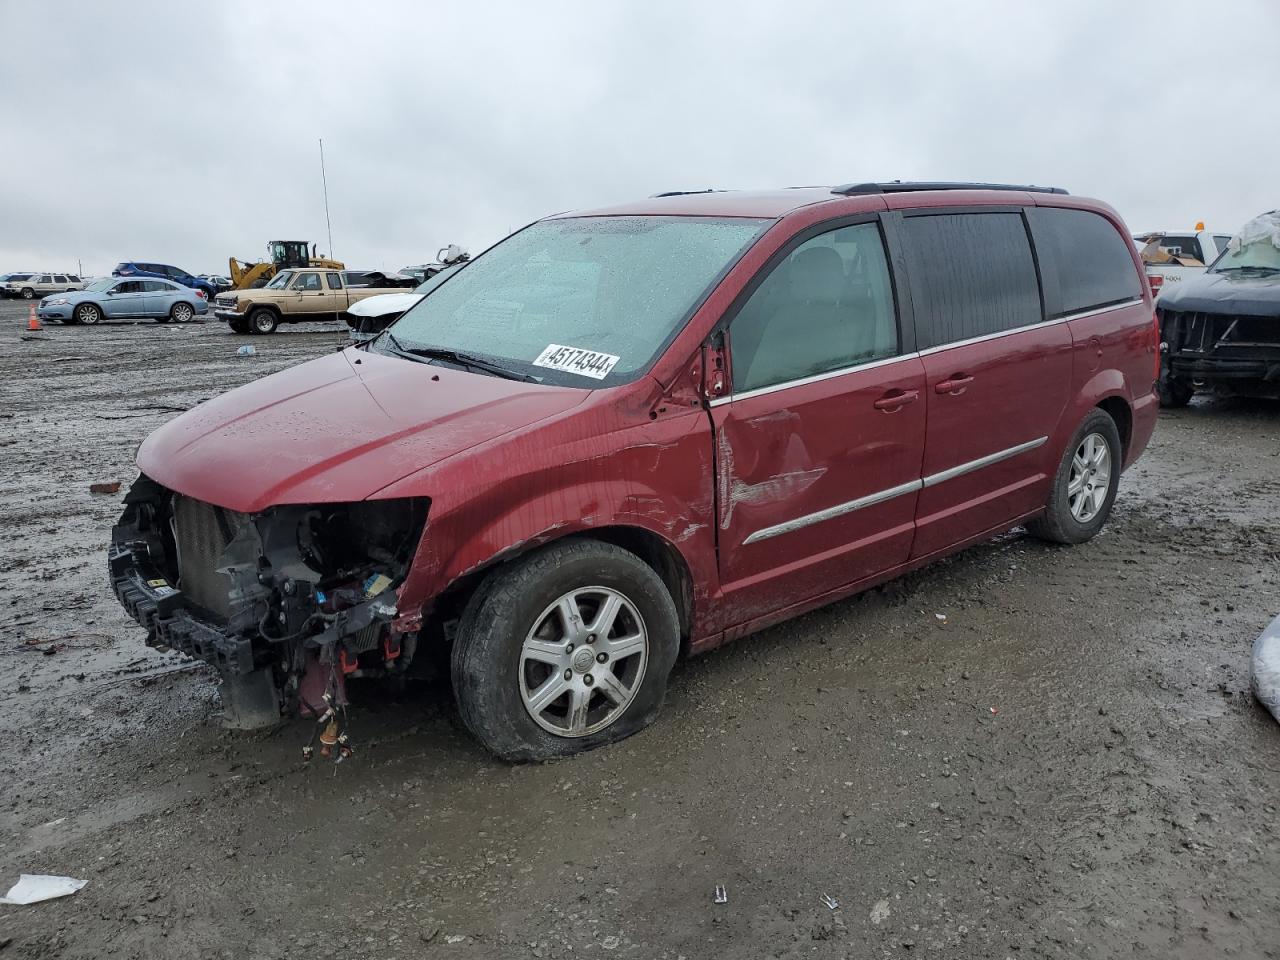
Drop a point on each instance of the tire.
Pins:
(263, 320)
(1075, 518)
(1174, 392)
(498, 662)
(182, 312)
(238, 326)
(87, 313)
(28, 293)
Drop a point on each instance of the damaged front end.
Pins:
(285, 603)
(1226, 353)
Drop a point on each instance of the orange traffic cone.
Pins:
(33, 322)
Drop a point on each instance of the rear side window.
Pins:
(1085, 260)
(335, 281)
(971, 275)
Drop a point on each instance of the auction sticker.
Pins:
(588, 363)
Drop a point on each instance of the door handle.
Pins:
(895, 399)
(954, 384)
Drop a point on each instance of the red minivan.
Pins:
(626, 433)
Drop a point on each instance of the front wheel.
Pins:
(87, 313)
(564, 650)
(28, 293)
(1085, 485)
(263, 320)
(1173, 391)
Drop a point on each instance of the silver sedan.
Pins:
(116, 298)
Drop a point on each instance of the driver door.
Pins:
(127, 299)
(309, 294)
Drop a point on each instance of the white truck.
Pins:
(1170, 257)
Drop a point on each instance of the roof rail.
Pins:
(683, 193)
(897, 186)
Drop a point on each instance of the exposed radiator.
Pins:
(201, 532)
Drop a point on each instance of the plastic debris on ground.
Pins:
(34, 887)
(722, 895)
(829, 901)
(248, 350)
(1266, 668)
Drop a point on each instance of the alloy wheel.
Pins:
(583, 662)
(1090, 478)
(182, 313)
(87, 313)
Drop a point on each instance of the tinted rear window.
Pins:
(1085, 260)
(971, 274)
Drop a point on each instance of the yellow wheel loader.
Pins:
(285, 254)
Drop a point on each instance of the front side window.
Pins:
(827, 306)
(584, 301)
(971, 275)
(129, 286)
(307, 281)
(45, 278)
(1085, 257)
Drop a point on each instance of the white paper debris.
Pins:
(34, 887)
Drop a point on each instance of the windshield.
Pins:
(1261, 254)
(586, 301)
(280, 280)
(100, 285)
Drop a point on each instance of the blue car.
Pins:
(115, 298)
(162, 271)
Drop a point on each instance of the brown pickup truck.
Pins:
(292, 296)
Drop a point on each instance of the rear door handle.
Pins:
(954, 384)
(896, 398)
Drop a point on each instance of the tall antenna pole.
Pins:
(325, 182)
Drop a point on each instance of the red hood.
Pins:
(335, 429)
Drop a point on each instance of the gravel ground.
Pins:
(1025, 751)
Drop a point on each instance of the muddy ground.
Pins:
(1068, 765)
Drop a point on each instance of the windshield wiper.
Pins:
(462, 359)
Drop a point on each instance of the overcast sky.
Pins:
(186, 138)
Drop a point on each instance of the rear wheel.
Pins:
(181, 312)
(263, 320)
(1085, 485)
(564, 650)
(87, 313)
